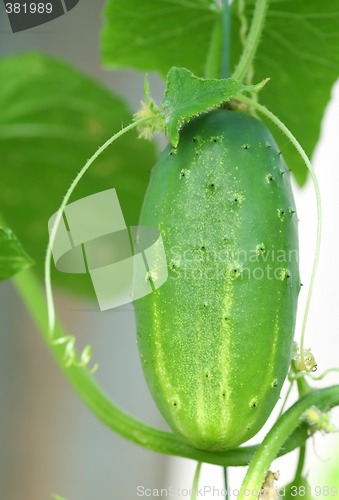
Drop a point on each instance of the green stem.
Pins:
(323, 374)
(214, 55)
(298, 147)
(283, 428)
(303, 389)
(303, 386)
(111, 415)
(196, 482)
(300, 466)
(242, 21)
(289, 390)
(252, 40)
(226, 40)
(218, 57)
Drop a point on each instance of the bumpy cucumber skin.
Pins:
(215, 342)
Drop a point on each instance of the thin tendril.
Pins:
(48, 258)
(252, 40)
(243, 21)
(286, 397)
(242, 35)
(323, 374)
(299, 148)
(196, 481)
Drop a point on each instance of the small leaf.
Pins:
(187, 96)
(13, 257)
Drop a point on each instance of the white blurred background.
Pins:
(49, 442)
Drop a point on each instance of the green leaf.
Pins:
(13, 257)
(299, 51)
(187, 96)
(154, 35)
(53, 118)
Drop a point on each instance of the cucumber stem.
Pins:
(212, 65)
(252, 40)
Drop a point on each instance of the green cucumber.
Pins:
(216, 339)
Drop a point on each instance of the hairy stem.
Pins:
(296, 144)
(283, 428)
(252, 40)
(300, 466)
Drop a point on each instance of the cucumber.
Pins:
(215, 340)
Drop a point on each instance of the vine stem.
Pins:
(252, 40)
(323, 374)
(283, 428)
(214, 55)
(300, 466)
(48, 258)
(218, 57)
(196, 482)
(299, 148)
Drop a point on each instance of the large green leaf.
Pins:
(158, 34)
(299, 51)
(13, 257)
(52, 119)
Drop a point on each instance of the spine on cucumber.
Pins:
(216, 339)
